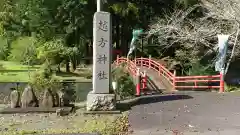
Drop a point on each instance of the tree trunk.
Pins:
(117, 33)
(87, 61)
(74, 65)
(124, 37)
(58, 68)
(67, 66)
(90, 51)
(124, 47)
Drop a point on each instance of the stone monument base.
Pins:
(101, 102)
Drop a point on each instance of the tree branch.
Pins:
(233, 50)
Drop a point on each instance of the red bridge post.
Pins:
(221, 90)
(174, 80)
(138, 82)
(144, 80)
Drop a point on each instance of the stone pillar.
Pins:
(99, 5)
(100, 99)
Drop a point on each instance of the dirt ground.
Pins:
(49, 122)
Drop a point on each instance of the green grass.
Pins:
(16, 72)
(14, 77)
(9, 65)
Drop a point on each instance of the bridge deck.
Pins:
(156, 82)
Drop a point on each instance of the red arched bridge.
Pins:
(150, 74)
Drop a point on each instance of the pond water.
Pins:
(81, 89)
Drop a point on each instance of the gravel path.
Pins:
(41, 122)
(204, 113)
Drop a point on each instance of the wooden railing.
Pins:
(177, 82)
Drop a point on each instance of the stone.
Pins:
(59, 112)
(48, 99)
(15, 99)
(6, 100)
(64, 98)
(56, 99)
(60, 98)
(102, 52)
(28, 98)
(101, 102)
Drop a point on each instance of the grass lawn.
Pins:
(9, 65)
(16, 72)
(14, 76)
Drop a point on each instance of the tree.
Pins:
(52, 52)
(71, 21)
(193, 32)
(48, 20)
(23, 50)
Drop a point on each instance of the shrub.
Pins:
(229, 88)
(116, 127)
(199, 69)
(23, 50)
(52, 51)
(187, 3)
(44, 78)
(4, 49)
(70, 90)
(125, 84)
(2, 67)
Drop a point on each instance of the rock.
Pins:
(48, 99)
(6, 100)
(15, 99)
(60, 98)
(64, 99)
(56, 99)
(60, 112)
(101, 102)
(28, 98)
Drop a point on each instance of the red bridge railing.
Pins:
(130, 65)
(201, 79)
(176, 82)
(162, 71)
(134, 71)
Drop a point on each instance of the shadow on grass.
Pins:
(124, 106)
(11, 71)
(86, 74)
(82, 69)
(67, 74)
(9, 74)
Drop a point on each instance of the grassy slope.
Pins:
(16, 72)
